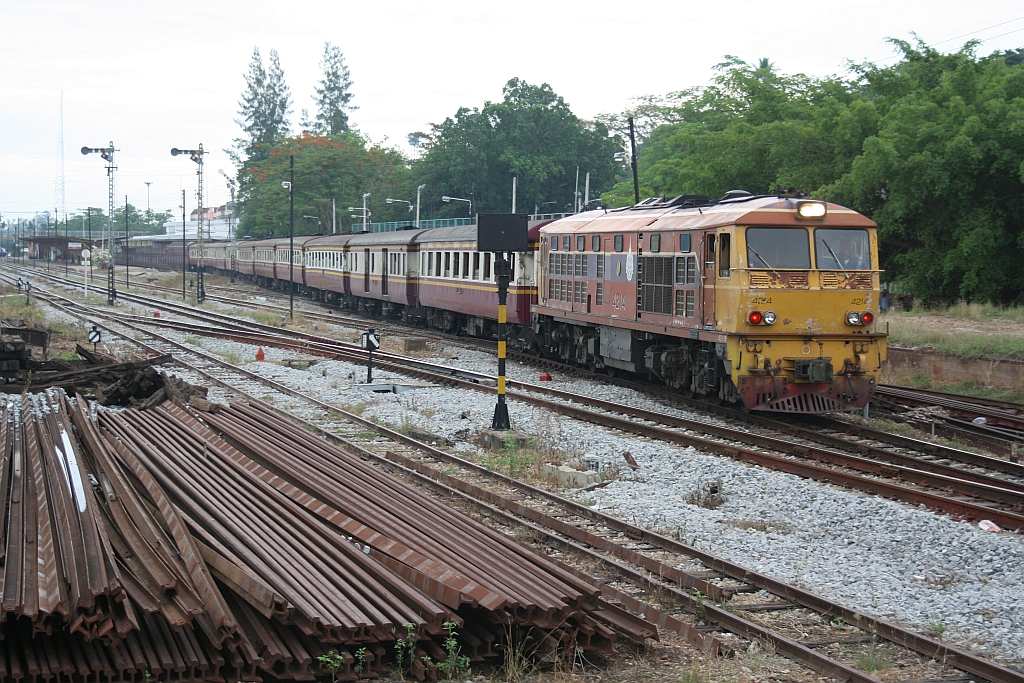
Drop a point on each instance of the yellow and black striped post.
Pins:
(503, 273)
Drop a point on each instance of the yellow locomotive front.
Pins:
(799, 306)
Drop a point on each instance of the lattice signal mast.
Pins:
(107, 154)
(196, 155)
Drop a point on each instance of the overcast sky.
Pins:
(154, 75)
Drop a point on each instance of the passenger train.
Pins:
(768, 302)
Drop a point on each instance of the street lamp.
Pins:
(364, 212)
(389, 200)
(317, 219)
(418, 190)
(196, 155)
(446, 199)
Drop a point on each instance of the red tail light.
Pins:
(755, 317)
(866, 318)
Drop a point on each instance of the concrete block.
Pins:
(569, 477)
(495, 440)
(414, 344)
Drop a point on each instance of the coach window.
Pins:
(723, 254)
(655, 243)
(618, 243)
(456, 263)
(709, 259)
(465, 265)
(476, 266)
(684, 242)
(487, 267)
(581, 243)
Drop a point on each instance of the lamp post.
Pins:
(446, 199)
(196, 155)
(148, 183)
(364, 211)
(290, 184)
(418, 191)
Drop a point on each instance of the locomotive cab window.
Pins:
(778, 248)
(842, 249)
(709, 259)
(618, 243)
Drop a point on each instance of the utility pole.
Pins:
(291, 237)
(148, 183)
(127, 252)
(632, 161)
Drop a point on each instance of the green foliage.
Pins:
(263, 110)
(931, 148)
(531, 134)
(332, 94)
(405, 648)
(454, 663)
(512, 460)
(340, 167)
(333, 661)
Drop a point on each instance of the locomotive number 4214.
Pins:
(761, 300)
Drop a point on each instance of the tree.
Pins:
(333, 94)
(531, 134)
(340, 167)
(263, 109)
(944, 174)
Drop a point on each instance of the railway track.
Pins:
(967, 485)
(719, 605)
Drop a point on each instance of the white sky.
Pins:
(155, 75)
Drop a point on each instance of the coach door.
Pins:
(366, 270)
(707, 303)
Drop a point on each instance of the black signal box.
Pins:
(501, 232)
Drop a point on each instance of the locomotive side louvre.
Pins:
(679, 294)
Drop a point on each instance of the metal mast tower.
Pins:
(197, 156)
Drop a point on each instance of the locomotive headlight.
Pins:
(853, 318)
(769, 317)
(810, 209)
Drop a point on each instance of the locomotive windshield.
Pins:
(778, 248)
(842, 249)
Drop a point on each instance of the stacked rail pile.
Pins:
(176, 545)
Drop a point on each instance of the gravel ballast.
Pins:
(926, 571)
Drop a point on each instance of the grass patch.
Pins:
(919, 380)
(192, 340)
(873, 658)
(512, 460)
(13, 308)
(907, 330)
(965, 311)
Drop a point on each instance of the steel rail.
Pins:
(941, 651)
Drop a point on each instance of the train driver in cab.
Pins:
(849, 259)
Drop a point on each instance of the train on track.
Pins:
(769, 302)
